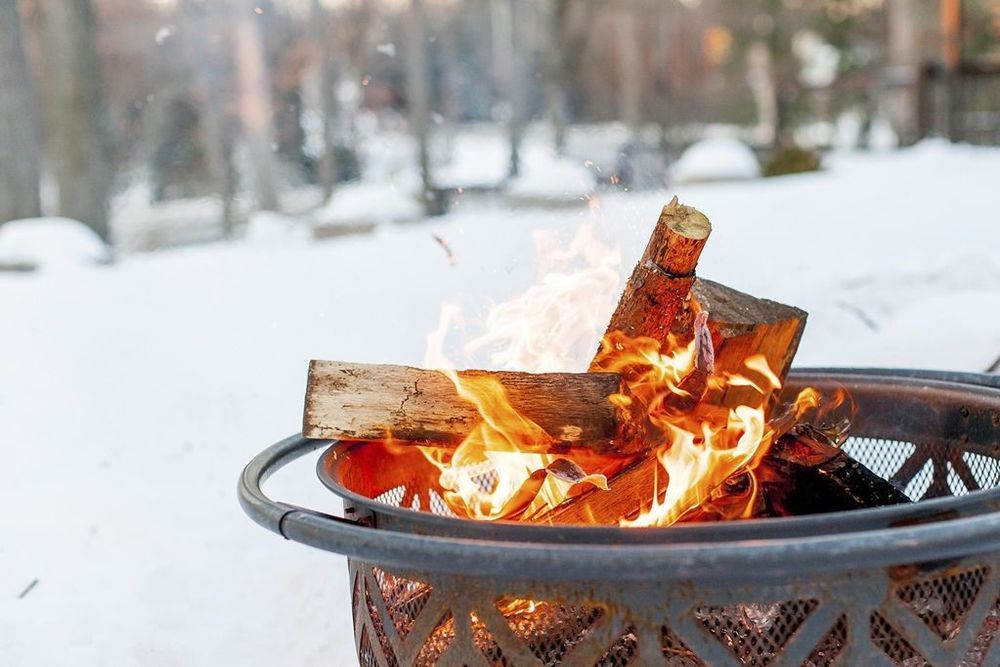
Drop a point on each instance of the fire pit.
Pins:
(911, 584)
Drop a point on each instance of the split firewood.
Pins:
(743, 326)
(663, 297)
(658, 288)
(372, 402)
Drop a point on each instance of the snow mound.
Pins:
(549, 178)
(50, 243)
(718, 159)
(364, 202)
(270, 228)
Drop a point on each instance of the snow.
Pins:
(363, 202)
(50, 243)
(716, 159)
(270, 228)
(133, 394)
(548, 178)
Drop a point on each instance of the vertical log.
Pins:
(658, 288)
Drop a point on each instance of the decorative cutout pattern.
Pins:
(404, 598)
(622, 653)
(755, 633)
(550, 630)
(888, 639)
(943, 602)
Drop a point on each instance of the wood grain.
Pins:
(660, 282)
(368, 402)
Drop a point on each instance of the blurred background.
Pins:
(199, 196)
(168, 122)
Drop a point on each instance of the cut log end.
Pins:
(679, 237)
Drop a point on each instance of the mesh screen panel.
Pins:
(744, 630)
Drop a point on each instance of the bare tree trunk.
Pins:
(418, 102)
(903, 18)
(255, 108)
(760, 78)
(79, 145)
(556, 44)
(19, 196)
(327, 98)
(629, 68)
(207, 83)
(503, 18)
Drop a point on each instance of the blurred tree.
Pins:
(418, 102)
(507, 67)
(327, 96)
(200, 19)
(905, 49)
(19, 197)
(630, 67)
(557, 51)
(78, 146)
(255, 103)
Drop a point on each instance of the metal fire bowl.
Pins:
(906, 585)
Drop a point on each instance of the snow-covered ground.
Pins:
(131, 395)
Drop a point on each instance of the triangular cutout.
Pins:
(439, 641)
(893, 644)
(551, 629)
(676, 652)
(383, 640)
(756, 633)
(484, 641)
(624, 652)
(366, 654)
(404, 598)
(830, 646)
(988, 633)
(943, 602)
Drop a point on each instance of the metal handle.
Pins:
(269, 513)
(772, 558)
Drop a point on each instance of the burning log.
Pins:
(658, 288)
(805, 472)
(372, 402)
(743, 326)
(803, 475)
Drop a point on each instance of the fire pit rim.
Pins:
(727, 560)
(750, 559)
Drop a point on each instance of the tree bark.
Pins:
(658, 288)
(19, 172)
(413, 405)
(78, 142)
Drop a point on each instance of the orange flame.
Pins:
(501, 470)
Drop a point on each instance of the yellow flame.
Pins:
(499, 471)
